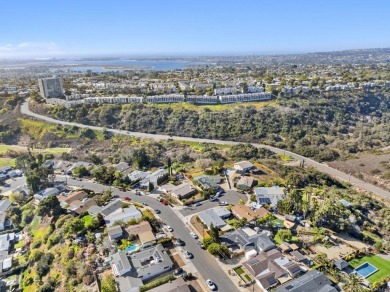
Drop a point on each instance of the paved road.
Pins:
(321, 167)
(204, 262)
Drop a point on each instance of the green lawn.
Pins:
(5, 148)
(7, 162)
(239, 271)
(87, 220)
(277, 221)
(381, 264)
(286, 158)
(19, 244)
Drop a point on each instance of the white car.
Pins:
(170, 229)
(196, 205)
(193, 235)
(223, 203)
(210, 284)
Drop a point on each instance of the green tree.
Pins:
(73, 226)
(49, 207)
(284, 235)
(108, 284)
(17, 198)
(354, 283)
(214, 233)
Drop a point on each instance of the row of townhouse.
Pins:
(202, 99)
(245, 97)
(165, 98)
(114, 99)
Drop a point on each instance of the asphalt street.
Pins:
(321, 167)
(203, 261)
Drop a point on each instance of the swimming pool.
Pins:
(366, 270)
(132, 248)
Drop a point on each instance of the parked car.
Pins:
(170, 229)
(188, 255)
(178, 271)
(127, 198)
(157, 211)
(223, 203)
(200, 244)
(196, 204)
(122, 189)
(210, 284)
(193, 235)
(212, 199)
(180, 242)
(145, 204)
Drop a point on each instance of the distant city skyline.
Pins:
(47, 29)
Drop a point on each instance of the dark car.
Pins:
(178, 271)
(157, 211)
(180, 242)
(127, 198)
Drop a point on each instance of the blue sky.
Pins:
(187, 28)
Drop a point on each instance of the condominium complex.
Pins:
(51, 87)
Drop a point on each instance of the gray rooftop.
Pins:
(209, 217)
(246, 242)
(313, 281)
(4, 205)
(269, 195)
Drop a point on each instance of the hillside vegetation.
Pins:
(325, 127)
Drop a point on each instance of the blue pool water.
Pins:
(366, 270)
(131, 248)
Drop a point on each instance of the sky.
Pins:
(49, 29)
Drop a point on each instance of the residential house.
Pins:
(114, 232)
(183, 191)
(123, 215)
(178, 285)
(243, 166)
(5, 241)
(123, 167)
(248, 241)
(312, 281)
(3, 218)
(209, 217)
(298, 256)
(208, 181)
(133, 270)
(138, 175)
(243, 211)
(76, 165)
(269, 195)
(153, 178)
(222, 212)
(245, 183)
(66, 201)
(341, 264)
(271, 268)
(46, 193)
(144, 232)
(4, 205)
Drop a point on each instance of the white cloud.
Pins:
(29, 49)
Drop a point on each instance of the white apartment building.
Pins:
(255, 89)
(245, 97)
(202, 99)
(115, 99)
(165, 98)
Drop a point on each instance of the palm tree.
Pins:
(354, 283)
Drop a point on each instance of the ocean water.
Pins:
(121, 64)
